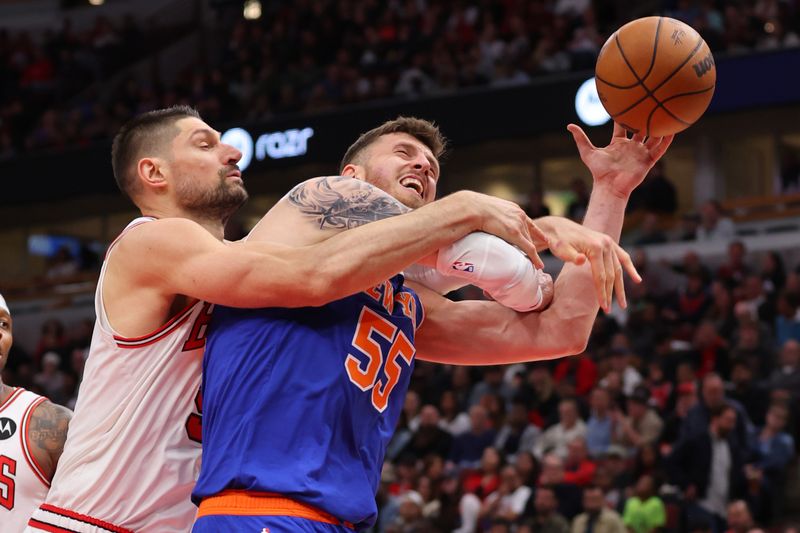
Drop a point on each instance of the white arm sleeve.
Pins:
(488, 262)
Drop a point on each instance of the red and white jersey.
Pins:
(132, 453)
(23, 485)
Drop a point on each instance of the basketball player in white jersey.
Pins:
(133, 451)
(32, 434)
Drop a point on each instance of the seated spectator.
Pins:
(576, 209)
(536, 207)
(517, 434)
(599, 425)
(644, 511)
(596, 518)
(656, 194)
(508, 501)
(745, 390)
(774, 450)
(540, 390)
(787, 317)
(569, 427)
(51, 379)
(641, 426)
(546, 518)
(686, 398)
(739, 518)
(528, 467)
(649, 231)
(468, 447)
(712, 397)
(709, 467)
(659, 387)
(787, 375)
(648, 461)
(62, 266)
(429, 438)
(576, 375)
(714, 225)
(709, 349)
(485, 479)
(568, 495)
(453, 420)
(578, 467)
(409, 519)
(735, 269)
(621, 361)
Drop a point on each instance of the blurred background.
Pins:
(602, 437)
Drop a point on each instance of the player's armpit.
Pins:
(47, 432)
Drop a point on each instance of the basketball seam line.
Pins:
(649, 92)
(649, 69)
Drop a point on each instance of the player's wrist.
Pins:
(463, 210)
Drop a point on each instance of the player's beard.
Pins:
(218, 203)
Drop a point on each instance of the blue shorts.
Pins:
(263, 524)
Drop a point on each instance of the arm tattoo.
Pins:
(48, 429)
(342, 202)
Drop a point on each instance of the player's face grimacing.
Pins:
(205, 169)
(6, 337)
(404, 167)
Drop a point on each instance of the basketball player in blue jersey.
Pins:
(299, 404)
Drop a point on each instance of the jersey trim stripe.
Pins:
(14, 395)
(49, 527)
(26, 445)
(173, 323)
(81, 518)
(132, 225)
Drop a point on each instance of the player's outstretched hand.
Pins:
(623, 164)
(571, 242)
(508, 221)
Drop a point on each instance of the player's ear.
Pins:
(354, 171)
(150, 171)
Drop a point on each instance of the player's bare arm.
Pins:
(320, 207)
(47, 433)
(487, 333)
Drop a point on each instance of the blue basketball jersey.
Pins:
(303, 402)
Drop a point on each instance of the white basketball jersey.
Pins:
(133, 448)
(23, 485)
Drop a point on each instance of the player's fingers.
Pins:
(536, 233)
(566, 252)
(619, 131)
(627, 264)
(581, 140)
(653, 142)
(619, 283)
(638, 137)
(522, 239)
(611, 275)
(598, 274)
(662, 147)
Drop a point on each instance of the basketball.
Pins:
(655, 75)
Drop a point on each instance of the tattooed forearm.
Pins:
(342, 202)
(48, 430)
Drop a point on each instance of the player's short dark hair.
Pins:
(423, 130)
(143, 135)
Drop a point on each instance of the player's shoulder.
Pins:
(321, 184)
(47, 410)
(160, 235)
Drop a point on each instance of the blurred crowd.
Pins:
(683, 414)
(342, 52)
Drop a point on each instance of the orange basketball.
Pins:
(655, 75)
